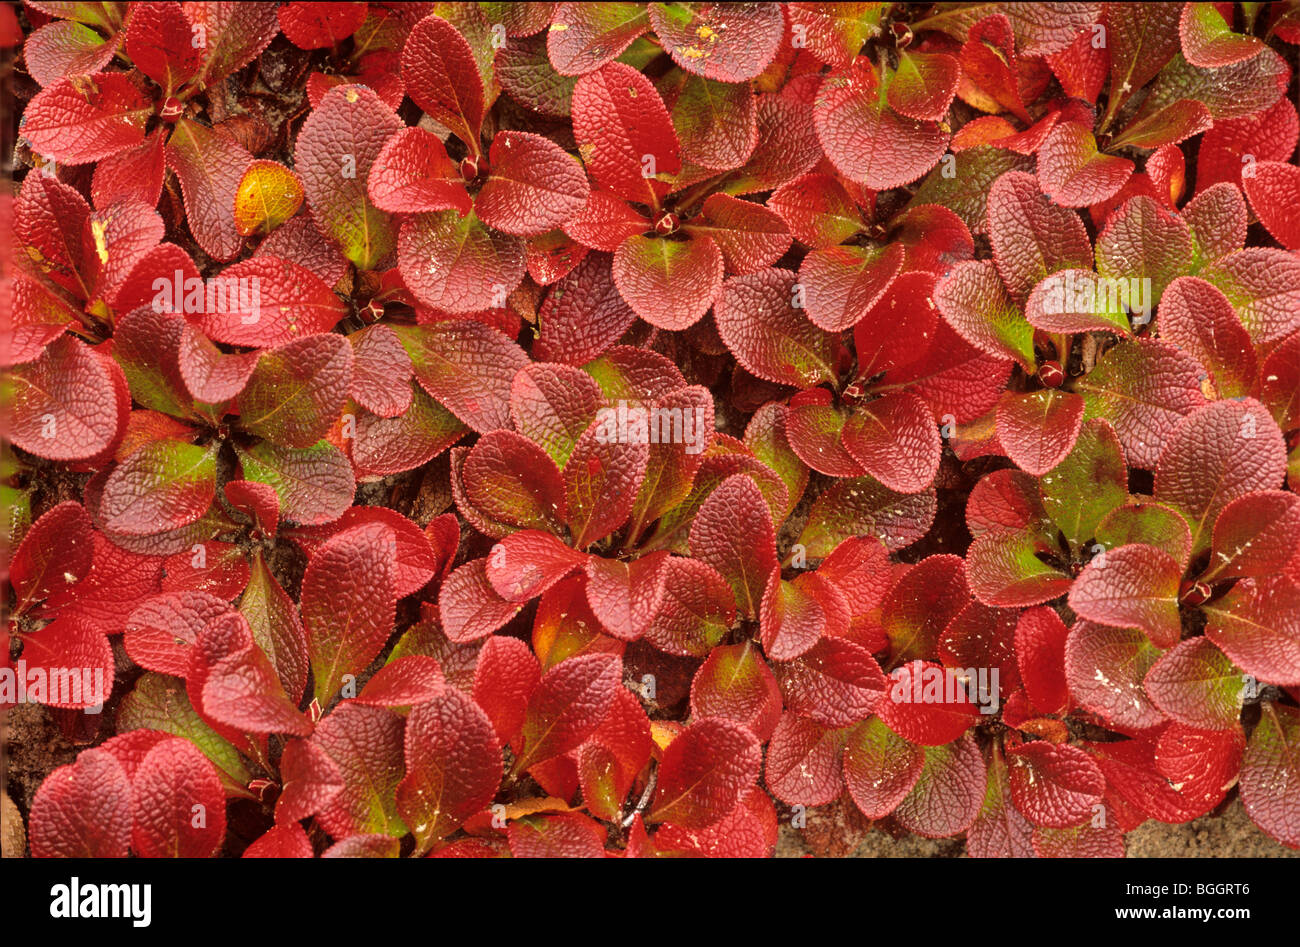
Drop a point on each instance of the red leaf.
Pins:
(365, 845)
(625, 596)
(758, 321)
(381, 372)
(524, 565)
(615, 754)
(310, 780)
(927, 704)
(1280, 383)
(818, 210)
(1073, 172)
(868, 142)
(1272, 759)
(1055, 786)
(505, 677)
(412, 173)
(1040, 428)
(880, 767)
(511, 479)
(242, 691)
(225, 575)
(988, 60)
(314, 485)
(1195, 684)
(718, 41)
(1202, 763)
(624, 132)
(920, 606)
(1132, 587)
(365, 744)
(1032, 237)
(348, 602)
(441, 77)
(82, 810)
(1257, 625)
(456, 264)
(1263, 285)
(468, 367)
(716, 123)
(1267, 135)
(320, 25)
(569, 703)
(299, 241)
(1255, 535)
(924, 85)
(999, 831)
(895, 440)
(835, 683)
(1219, 453)
(404, 682)
(337, 147)
(1274, 186)
(64, 49)
(1040, 652)
(601, 480)
(584, 315)
(749, 235)
(843, 284)
(1105, 668)
(1143, 389)
(276, 628)
(948, 793)
(534, 186)
(1082, 67)
(79, 120)
(55, 554)
(49, 218)
(39, 317)
(1197, 317)
(703, 772)
(468, 605)
(733, 533)
(280, 841)
(693, 608)
(1131, 774)
(1209, 41)
(135, 174)
(605, 222)
(668, 283)
(974, 302)
(278, 301)
(803, 765)
(62, 406)
(735, 682)
(564, 835)
(236, 33)
(73, 660)
(178, 804)
(298, 390)
(210, 166)
(1004, 571)
(584, 37)
(552, 404)
(527, 76)
(160, 42)
(164, 485)
(453, 766)
(861, 506)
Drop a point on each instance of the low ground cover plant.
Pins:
(625, 429)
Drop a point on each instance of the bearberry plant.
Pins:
(590, 429)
